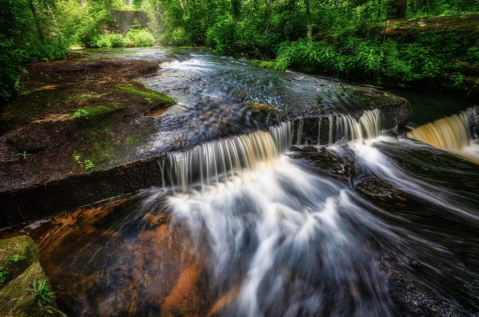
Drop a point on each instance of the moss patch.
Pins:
(16, 300)
(101, 111)
(150, 97)
(22, 246)
(268, 65)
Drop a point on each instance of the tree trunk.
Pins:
(308, 20)
(399, 9)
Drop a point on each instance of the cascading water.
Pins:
(229, 160)
(273, 236)
(285, 242)
(343, 128)
(451, 134)
(283, 229)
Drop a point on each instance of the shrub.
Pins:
(110, 40)
(178, 36)
(138, 38)
(407, 59)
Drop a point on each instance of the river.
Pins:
(370, 223)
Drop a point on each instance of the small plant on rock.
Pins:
(16, 257)
(77, 159)
(149, 100)
(80, 113)
(89, 165)
(2, 275)
(40, 292)
(25, 155)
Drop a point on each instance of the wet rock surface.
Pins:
(70, 113)
(99, 265)
(130, 255)
(325, 162)
(409, 277)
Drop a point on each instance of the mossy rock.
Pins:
(268, 65)
(15, 298)
(96, 113)
(22, 246)
(144, 95)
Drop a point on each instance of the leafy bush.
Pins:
(110, 40)
(178, 36)
(419, 57)
(87, 32)
(138, 38)
(82, 25)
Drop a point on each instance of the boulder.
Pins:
(15, 297)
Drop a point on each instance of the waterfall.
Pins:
(230, 159)
(367, 127)
(300, 132)
(447, 134)
(451, 134)
(342, 128)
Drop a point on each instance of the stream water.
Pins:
(252, 225)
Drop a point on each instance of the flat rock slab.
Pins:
(69, 120)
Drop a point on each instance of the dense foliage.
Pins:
(344, 38)
(28, 34)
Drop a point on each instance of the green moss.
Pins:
(149, 96)
(21, 245)
(268, 65)
(16, 300)
(101, 111)
(102, 151)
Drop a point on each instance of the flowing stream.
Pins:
(358, 223)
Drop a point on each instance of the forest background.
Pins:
(344, 38)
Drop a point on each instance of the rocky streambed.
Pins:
(244, 191)
(86, 129)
